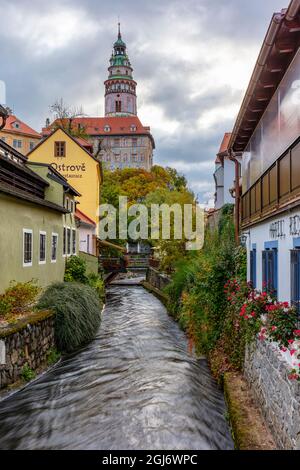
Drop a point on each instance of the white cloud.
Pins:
(45, 34)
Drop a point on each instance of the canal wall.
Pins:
(157, 279)
(278, 397)
(26, 342)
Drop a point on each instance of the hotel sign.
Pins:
(295, 225)
(277, 229)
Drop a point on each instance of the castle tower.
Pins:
(120, 88)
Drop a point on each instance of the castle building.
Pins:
(119, 139)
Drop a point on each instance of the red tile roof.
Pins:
(84, 143)
(223, 146)
(225, 142)
(118, 125)
(84, 218)
(22, 129)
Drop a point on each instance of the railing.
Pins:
(277, 187)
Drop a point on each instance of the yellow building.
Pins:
(19, 135)
(66, 154)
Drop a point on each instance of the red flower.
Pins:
(297, 332)
(293, 351)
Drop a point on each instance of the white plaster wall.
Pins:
(83, 232)
(260, 234)
(229, 177)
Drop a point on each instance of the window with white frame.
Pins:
(68, 241)
(42, 253)
(27, 247)
(73, 241)
(17, 144)
(54, 242)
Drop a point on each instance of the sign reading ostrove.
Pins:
(70, 171)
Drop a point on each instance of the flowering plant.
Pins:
(258, 312)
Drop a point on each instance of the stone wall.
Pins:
(26, 342)
(157, 279)
(279, 398)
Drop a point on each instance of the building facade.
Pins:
(267, 132)
(119, 140)
(87, 233)
(37, 231)
(224, 175)
(76, 164)
(19, 135)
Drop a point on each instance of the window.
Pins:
(106, 128)
(54, 247)
(17, 144)
(295, 279)
(72, 206)
(65, 241)
(42, 255)
(31, 145)
(118, 106)
(68, 241)
(134, 142)
(253, 267)
(88, 243)
(269, 270)
(27, 247)
(59, 149)
(73, 242)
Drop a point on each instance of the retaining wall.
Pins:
(26, 342)
(157, 279)
(278, 397)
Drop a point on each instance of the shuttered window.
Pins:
(253, 268)
(295, 279)
(269, 271)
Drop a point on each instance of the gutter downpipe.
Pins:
(237, 195)
(292, 10)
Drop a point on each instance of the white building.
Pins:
(87, 233)
(267, 131)
(224, 175)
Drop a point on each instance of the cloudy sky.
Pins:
(192, 60)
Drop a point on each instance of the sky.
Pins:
(192, 61)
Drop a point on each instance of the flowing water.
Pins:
(134, 387)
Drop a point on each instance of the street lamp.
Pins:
(244, 237)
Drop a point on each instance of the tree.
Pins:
(64, 116)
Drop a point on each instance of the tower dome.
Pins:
(120, 88)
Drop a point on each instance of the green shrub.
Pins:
(96, 283)
(75, 270)
(27, 373)
(78, 312)
(19, 297)
(53, 356)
